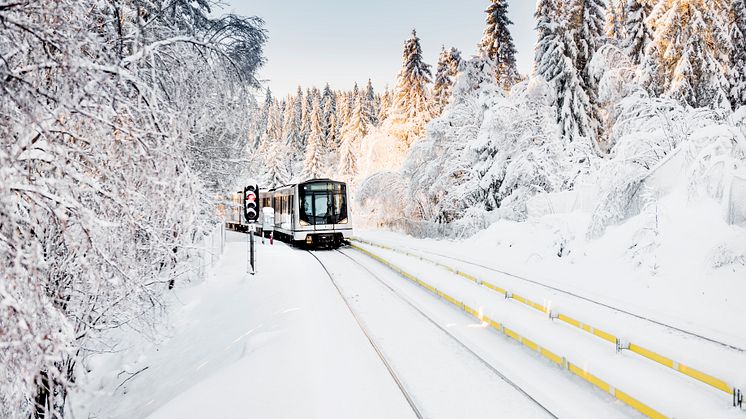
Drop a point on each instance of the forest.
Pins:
(615, 88)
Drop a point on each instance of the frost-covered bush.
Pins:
(117, 122)
(647, 133)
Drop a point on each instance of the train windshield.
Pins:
(323, 203)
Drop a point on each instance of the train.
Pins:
(313, 213)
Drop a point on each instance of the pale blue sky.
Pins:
(312, 42)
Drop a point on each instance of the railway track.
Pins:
(454, 291)
(394, 375)
(431, 321)
(587, 299)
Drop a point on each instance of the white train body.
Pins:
(314, 212)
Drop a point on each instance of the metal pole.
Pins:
(251, 251)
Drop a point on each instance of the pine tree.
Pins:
(586, 23)
(291, 127)
(738, 54)
(616, 21)
(497, 44)
(276, 170)
(261, 126)
(274, 123)
(637, 30)
(555, 62)
(328, 120)
(347, 160)
(689, 52)
(307, 104)
(314, 159)
(329, 127)
(445, 76)
(410, 110)
(370, 105)
(386, 100)
(358, 126)
(547, 19)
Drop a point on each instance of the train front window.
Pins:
(322, 203)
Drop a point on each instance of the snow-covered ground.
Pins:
(284, 344)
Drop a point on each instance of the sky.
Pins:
(312, 42)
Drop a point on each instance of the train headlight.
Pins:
(342, 221)
(304, 223)
(309, 239)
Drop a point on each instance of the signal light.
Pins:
(250, 199)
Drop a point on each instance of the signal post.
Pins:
(251, 215)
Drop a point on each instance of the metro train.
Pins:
(315, 213)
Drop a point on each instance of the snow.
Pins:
(278, 344)
(688, 287)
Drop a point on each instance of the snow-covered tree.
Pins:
(102, 105)
(616, 21)
(497, 43)
(313, 163)
(556, 59)
(328, 117)
(261, 124)
(738, 54)
(291, 131)
(273, 131)
(445, 76)
(386, 101)
(347, 160)
(690, 52)
(586, 22)
(410, 110)
(357, 127)
(370, 105)
(637, 30)
(276, 171)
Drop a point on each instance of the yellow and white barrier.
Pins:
(609, 337)
(534, 346)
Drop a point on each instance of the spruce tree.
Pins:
(738, 54)
(637, 30)
(314, 159)
(616, 21)
(546, 15)
(690, 41)
(586, 23)
(370, 105)
(275, 166)
(274, 122)
(293, 134)
(445, 76)
(261, 126)
(347, 160)
(497, 44)
(386, 100)
(358, 126)
(410, 111)
(306, 117)
(555, 62)
(329, 112)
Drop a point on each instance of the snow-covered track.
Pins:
(566, 292)
(621, 344)
(633, 373)
(376, 347)
(451, 335)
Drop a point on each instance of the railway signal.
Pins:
(251, 206)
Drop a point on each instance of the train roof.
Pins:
(306, 181)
